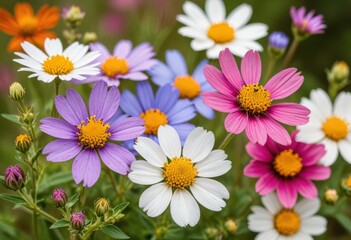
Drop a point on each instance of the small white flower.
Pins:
(73, 62)
(214, 31)
(173, 171)
(277, 223)
(329, 125)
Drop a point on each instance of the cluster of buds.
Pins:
(77, 221)
(14, 178)
(73, 16)
(89, 37)
(23, 142)
(102, 206)
(59, 197)
(17, 92)
(277, 44)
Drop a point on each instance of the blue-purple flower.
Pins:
(190, 86)
(87, 136)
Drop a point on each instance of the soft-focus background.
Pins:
(154, 21)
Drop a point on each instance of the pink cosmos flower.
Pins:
(249, 104)
(307, 23)
(288, 169)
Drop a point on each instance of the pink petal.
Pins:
(287, 193)
(258, 152)
(220, 102)
(311, 153)
(284, 83)
(316, 172)
(266, 184)
(236, 122)
(256, 169)
(256, 131)
(230, 69)
(276, 131)
(218, 81)
(289, 113)
(251, 67)
(306, 188)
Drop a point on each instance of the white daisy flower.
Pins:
(277, 223)
(73, 62)
(174, 172)
(329, 125)
(215, 32)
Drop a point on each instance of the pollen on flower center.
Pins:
(153, 118)
(221, 32)
(287, 222)
(287, 163)
(254, 99)
(180, 172)
(113, 66)
(348, 182)
(188, 87)
(94, 133)
(335, 128)
(28, 24)
(58, 65)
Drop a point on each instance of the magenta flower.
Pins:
(249, 104)
(87, 136)
(288, 169)
(123, 63)
(307, 23)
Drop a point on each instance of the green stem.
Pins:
(91, 229)
(290, 53)
(54, 112)
(226, 141)
(333, 90)
(271, 64)
(113, 181)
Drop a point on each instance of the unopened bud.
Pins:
(59, 197)
(331, 196)
(28, 117)
(231, 226)
(78, 220)
(211, 232)
(73, 16)
(17, 92)
(23, 142)
(14, 178)
(102, 206)
(346, 184)
(339, 72)
(89, 37)
(277, 43)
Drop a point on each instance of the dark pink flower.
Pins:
(307, 23)
(288, 169)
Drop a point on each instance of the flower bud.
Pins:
(89, 37)
(23, 142)
(28, 117)
(78, 220)
(339, 72)
(346, 184)
(231, 226)
(73, 16)
(59, 197)
(211, 232)
(102, 206)
(17, 92)
(14, 178)
(331, 196)
(277, 43)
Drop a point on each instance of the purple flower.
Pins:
(278, 40)
(87, 136)
(59, 197)
(307, 23)
(14, 178)
(123, 63)
(78, 220)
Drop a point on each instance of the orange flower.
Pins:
(25, 26)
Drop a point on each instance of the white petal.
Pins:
(261, 212)
(88, 58)
(309, 134)
(188, 21)
(214, 165)
(209, 193)
(34, 52)
(237, 49)
(302, 236)
(198, 144)
(46, 77)
(342, 106)
(144, 173)
(53, 47)
(307, 207)
(192, 32)
(240, 16)
(29, 63)
(199, 44)
(150, 151)
(252, 31)
(267, 235)
(196, 14)
(332, 152)
(315, 111)
(271, 202)
(315, 225)
(184, 209)
(249, 44)
(257, 223)
(215, 10)
(76, 53)
(213, 52)
(66, 77)
(155, 199)
(345, 150)
(322, 101)
(169, 141)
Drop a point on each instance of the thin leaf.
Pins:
(37, 154)
(72, 200)
(60, 224)
(12, 198)
(344, 221)
(113, 231)
(120, 207)
(11, 117)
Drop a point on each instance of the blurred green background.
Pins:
(154, 21)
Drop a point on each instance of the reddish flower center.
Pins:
(28, 24)
(180, 172)
(287, 163)
(254, 99)
(113, 66)
(187, 86)
(221, 32)
(287, 222)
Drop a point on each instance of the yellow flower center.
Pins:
(287, 222)
(23, 138)
(28, 24)
(304, 24)
(58, 65)
(254, 98)
(335, 128)
(221, 32)
(113, 66)
(348, 182)
(180, 172)
(287, 163)
(187, 86)
(94, 133)
(153, 118)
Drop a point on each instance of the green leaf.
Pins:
(120, 207)
(72, 200)
(54, 180)
(113, 231)
(2, 180)
(60, 223)
(11, 117)
(344, 221)
(12, 198)
(37, 154)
